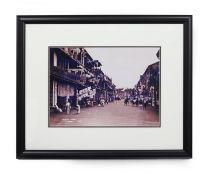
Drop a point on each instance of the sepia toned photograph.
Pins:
(104, 86)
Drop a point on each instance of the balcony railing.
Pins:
(65, 75)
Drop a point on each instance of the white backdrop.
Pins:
(168, 136)
(199, 163)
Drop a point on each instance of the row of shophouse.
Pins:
(148, 86)
(149, 83)
(76, 76)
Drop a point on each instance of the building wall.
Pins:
(55, 59)
(53, 93)
(65, 89)
(59, 89)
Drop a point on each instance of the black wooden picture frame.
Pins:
(186, 152)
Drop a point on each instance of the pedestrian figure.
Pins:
(145, 104)
(77, 106)
(68, 106)
(78, 109)
(126, 101)
(141, 104)
(135, 102)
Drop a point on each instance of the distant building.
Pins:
(119, 93)
(128, 93)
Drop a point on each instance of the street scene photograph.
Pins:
(104, 86)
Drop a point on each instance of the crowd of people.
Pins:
(138, 102)
(74, 104)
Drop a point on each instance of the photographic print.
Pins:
(104, 86)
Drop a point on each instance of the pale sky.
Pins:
(124, 64)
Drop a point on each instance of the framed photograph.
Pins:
(107, 86)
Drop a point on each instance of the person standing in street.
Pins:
(68, 106)
(145, 104)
